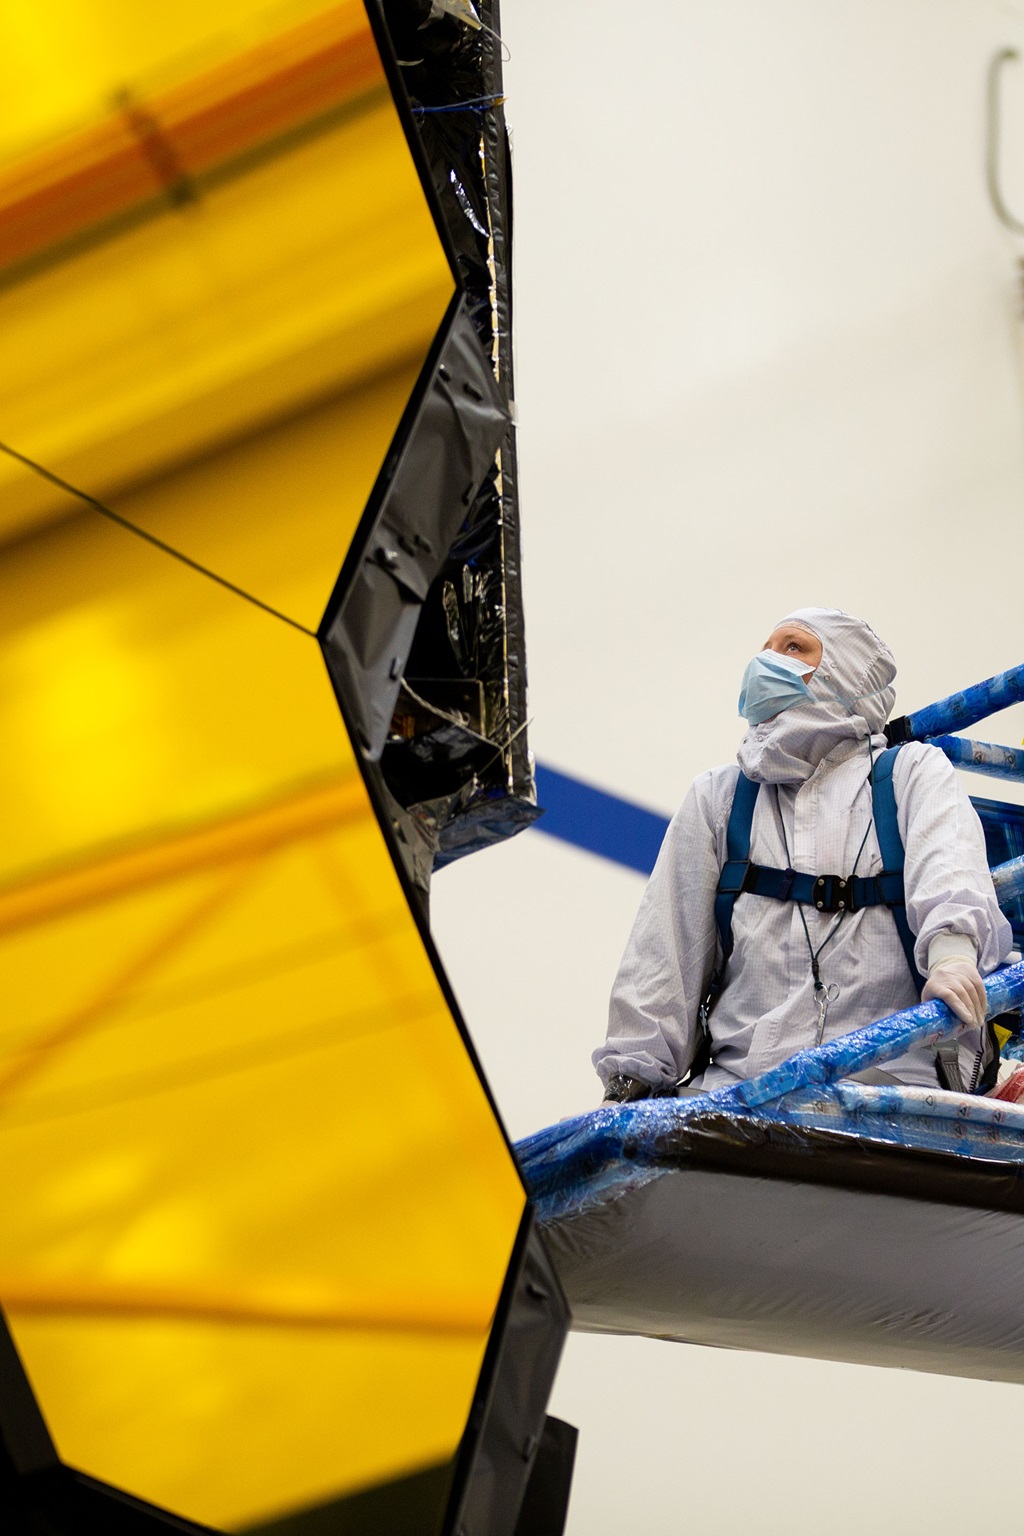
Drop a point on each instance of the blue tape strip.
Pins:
(604, 824)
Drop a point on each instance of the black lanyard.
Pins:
(823, 994)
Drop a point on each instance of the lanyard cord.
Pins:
(814, 953)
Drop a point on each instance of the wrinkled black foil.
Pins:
(456, 760)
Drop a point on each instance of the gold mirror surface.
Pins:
(255, 1211)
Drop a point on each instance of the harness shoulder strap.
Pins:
(890, 845)
(737, 856)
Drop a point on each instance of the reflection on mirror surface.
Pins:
(256, 1210)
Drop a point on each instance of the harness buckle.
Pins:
(734, 876)
(832, 893)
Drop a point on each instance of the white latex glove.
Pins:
(956, 981)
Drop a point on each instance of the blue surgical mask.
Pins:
(771, 684)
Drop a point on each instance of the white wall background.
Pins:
(768, 355)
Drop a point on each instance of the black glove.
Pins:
(623, 1090)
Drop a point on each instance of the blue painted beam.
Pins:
(604, 824)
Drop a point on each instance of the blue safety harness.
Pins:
(826, 893)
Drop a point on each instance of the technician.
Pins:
(815, 700)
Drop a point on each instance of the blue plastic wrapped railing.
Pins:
(960, 710)
(982, 756)
(571, 1165)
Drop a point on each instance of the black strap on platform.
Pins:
(947, 1068)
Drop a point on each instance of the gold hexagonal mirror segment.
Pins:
(256, 1208)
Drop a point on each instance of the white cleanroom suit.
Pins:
(812, 813)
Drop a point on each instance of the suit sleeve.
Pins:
(949, 888)
(664, 974)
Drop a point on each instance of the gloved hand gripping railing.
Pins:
(926, 1024)
(587, 1153)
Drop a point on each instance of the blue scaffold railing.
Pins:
(595, 1151)
(957, 712)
